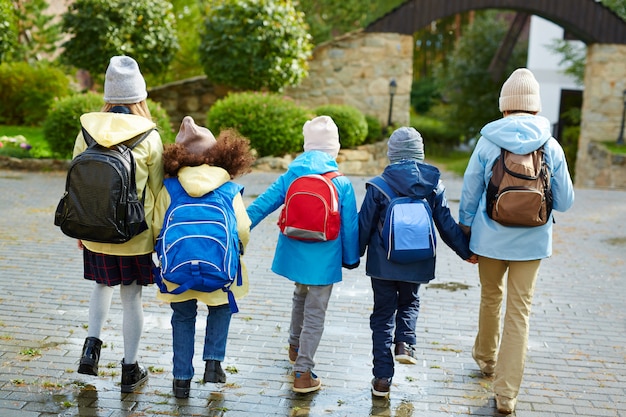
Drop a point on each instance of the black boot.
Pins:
(133, 376)
(181, 388)
(90, 357)
(213, 372)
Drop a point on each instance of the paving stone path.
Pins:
(576, 362)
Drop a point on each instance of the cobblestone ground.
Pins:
(576, 360)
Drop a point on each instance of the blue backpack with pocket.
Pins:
(199, 247)
(408, 231)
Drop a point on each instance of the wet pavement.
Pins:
(576, 363)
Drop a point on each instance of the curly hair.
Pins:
(231, 152)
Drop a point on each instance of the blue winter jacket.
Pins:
(414, 179)
(311, 263)
(519, 133)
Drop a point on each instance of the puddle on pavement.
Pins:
(449, 286)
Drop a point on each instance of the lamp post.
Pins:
(620, 138)
(392, 91)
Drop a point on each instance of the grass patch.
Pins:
(615, 148)
(34, 136)
(455, 161)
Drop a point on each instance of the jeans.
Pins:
(184, 330)
(307, 322)
(393, 320)
(511, 352)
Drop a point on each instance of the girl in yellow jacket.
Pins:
(124, 116)
(202, 164)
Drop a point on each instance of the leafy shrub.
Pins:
(63, 122)
(439, 138)
(8, 30)
(424, 93)
(255, 44)
(26, 93)
(350, 121)
(271, 122)
(374, 129)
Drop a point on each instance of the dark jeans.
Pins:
(393, 320)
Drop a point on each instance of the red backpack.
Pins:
(311, 209)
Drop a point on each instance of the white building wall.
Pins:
(544, 63)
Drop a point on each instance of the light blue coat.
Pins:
(311, 263)
(520, 134)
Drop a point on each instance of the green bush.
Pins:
(374, 129)
(271, 122)
(350, 121)
(439, 138)
(63, 122)
(26, 93)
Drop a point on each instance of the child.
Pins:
(395, 286)
(313, 266)
(203, 164)
(128, 265)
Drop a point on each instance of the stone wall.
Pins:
(355, 69)
(605, 82)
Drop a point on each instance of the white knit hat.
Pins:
(321, 134)
(196, 139)
(520, 92)
(123, 83)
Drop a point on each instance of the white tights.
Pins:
(132, 316)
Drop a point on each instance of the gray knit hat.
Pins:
(123, 83)
(520, 92)
(405, 143)
(196, 139)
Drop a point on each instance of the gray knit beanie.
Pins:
(123, 83)
(520, 92)
(405, 143)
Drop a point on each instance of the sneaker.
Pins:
(293, 353)
(380, 387)
(486, 367)
(405, 353)
(304, 382)
(181, 388)
(505, 405)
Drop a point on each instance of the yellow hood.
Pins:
(109, 129)
(200, 180)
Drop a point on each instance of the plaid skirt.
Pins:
(114, 270)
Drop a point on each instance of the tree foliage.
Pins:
(37, 31)
(467, 84)
(99, 29)
(8, 31)
(255, 44)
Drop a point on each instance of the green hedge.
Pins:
(272, 123)
(350, 121)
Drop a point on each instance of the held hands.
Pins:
(79, 243)
(472, 259)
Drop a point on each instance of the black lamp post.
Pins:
(620, 138)
(392, 91)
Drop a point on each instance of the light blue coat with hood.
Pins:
(519, 133)
(311, 263)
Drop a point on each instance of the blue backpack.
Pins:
(408, 231)
(198, 247)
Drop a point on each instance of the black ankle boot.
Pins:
(213, 372)
(133, 376)
(181, 388)
(90, 357)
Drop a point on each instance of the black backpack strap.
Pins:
(89, 140)
(138, 139)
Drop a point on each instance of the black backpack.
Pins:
(100, 203)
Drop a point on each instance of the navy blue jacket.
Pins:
(415, 179)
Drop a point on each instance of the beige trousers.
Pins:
(513, 341)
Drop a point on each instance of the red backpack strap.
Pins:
(332, 174)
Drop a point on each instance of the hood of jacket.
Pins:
(110, 129)
(412, 178)
(200, 180)
(519, 134)
(313, 162)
